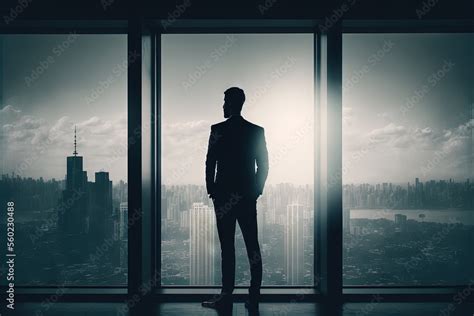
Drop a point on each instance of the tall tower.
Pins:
(202, 243)
(294, 244)
(73, 211)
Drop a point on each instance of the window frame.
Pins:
(142, 259)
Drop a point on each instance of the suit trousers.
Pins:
(230, 209)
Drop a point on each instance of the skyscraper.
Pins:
(346, 223)
(202, 237)
(123, 220)
(294, 244)
(184, 220)
(73, 211)
(123, 226)
(261, 220)
(100, 217)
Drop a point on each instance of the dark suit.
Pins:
(238, 151)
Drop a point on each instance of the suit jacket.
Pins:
(237, 149)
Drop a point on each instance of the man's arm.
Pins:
(211, 159)
(262, 162)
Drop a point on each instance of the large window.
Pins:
(63, 157)
(408, 208)
(276, 73)
(408, 159)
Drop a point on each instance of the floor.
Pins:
(274, 309)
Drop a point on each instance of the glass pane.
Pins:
(408, 159)
(276, 73)
(63, 147)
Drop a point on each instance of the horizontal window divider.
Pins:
(67, 290)
(406, 26)
(65, 27)
(402, 295)
(237, 287)
(390, 287)
(267, 294)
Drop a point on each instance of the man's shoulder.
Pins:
(247, 124)
(255, 127)
(217, 125)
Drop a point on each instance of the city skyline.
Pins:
(368, 223)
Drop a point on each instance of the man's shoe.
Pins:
(218, 302)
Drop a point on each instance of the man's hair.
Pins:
(236, 96)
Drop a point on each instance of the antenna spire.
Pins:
(75, 142)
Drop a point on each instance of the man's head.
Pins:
(234, 99)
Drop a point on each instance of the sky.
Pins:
(408, 107)
(407, 103)
(51, 83)
(276, 73)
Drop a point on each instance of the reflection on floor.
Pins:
(183, 309)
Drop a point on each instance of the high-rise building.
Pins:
(123, 220)
(100, 217)
(73, 210)
(202, 251)
(184, 220)
(164, 204)
(261, 220)
(123, 234)
(346, 223)
(294, 244)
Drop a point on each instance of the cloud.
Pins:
(186, 136)
(184, 150)
(9, 113)
(455, 140)
(24, 129)
(385, 116)
(426, 138)
(389, 133)
(347, 116)
(397, 152)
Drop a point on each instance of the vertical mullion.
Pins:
(317, 161)
(157, 151)
(149, 279)
(2, 71)
(134, 141)
(153, 211)
(334, 163)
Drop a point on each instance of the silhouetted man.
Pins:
(238, 149)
